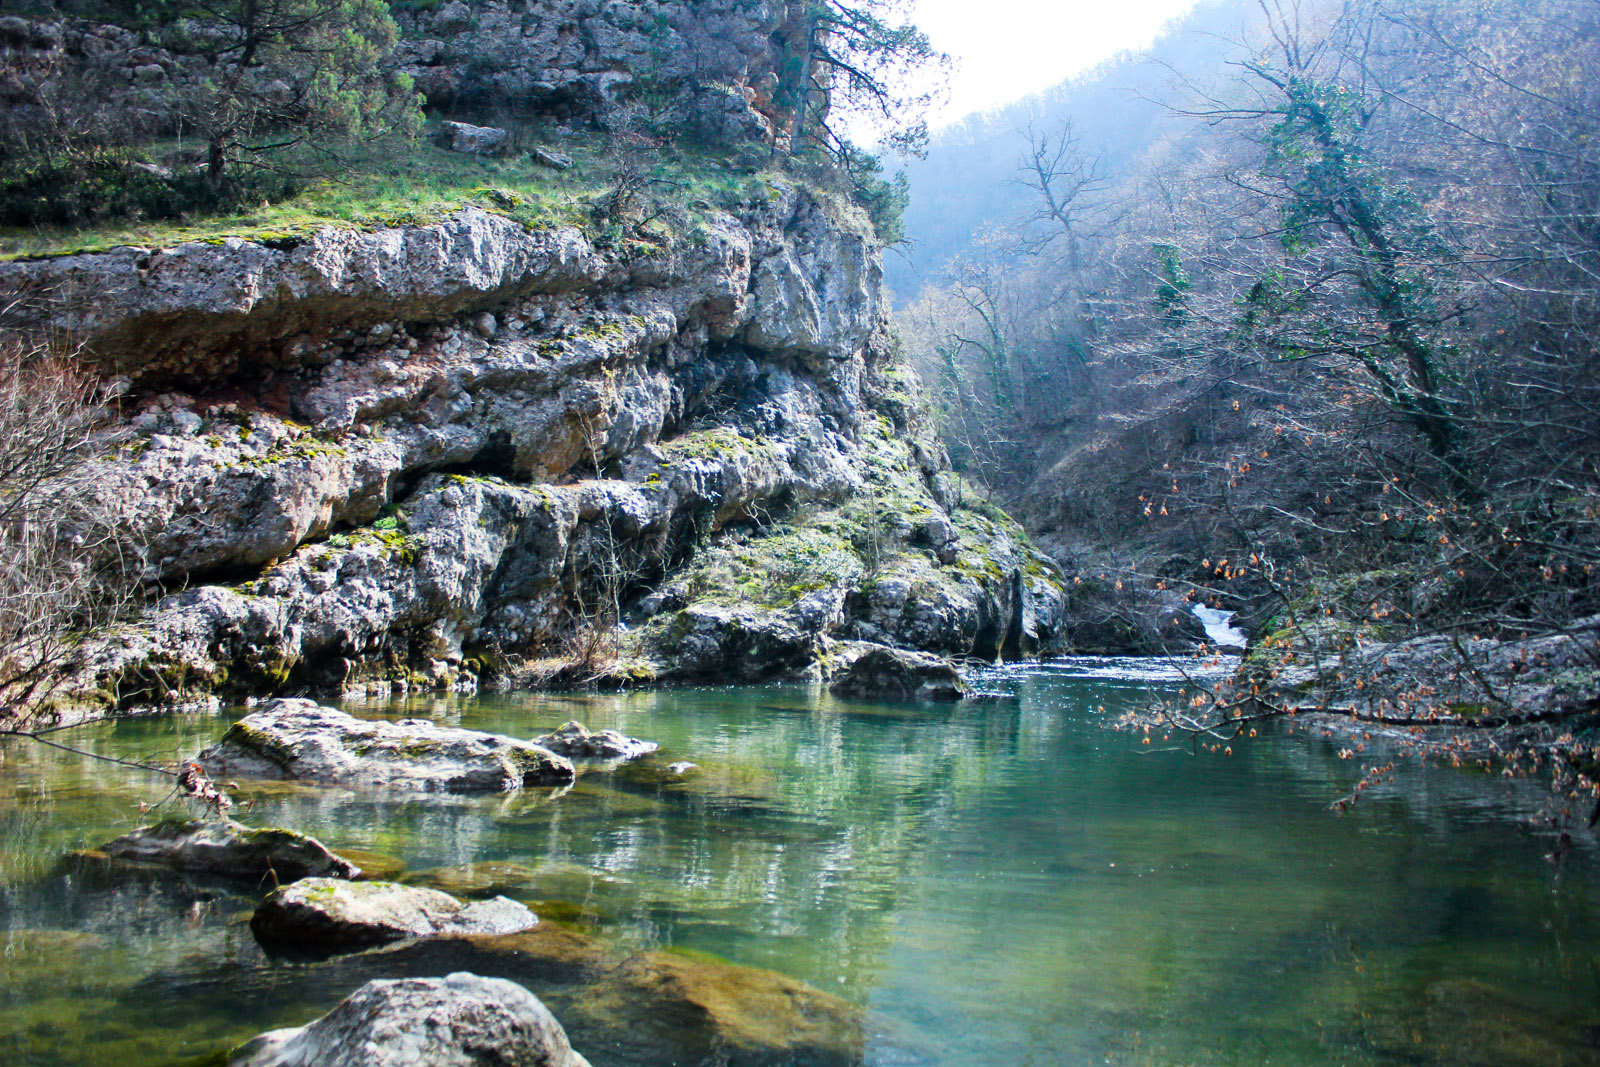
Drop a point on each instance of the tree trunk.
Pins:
(216, 160)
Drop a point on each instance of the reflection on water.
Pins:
(1005, 881)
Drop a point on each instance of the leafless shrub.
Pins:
(66, 565)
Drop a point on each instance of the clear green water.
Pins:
(1004, 882)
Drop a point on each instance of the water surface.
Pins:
(1004, 881)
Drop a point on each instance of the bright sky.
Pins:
(1007, 49)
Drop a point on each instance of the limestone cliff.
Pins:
(410, 456)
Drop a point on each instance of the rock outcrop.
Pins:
(895, 674)
(714, 69)
(461, 1020)
(325, 915)
(576, 741)
(392, 459)
(713, 66)
(299, 739)
(224, 848)
(1517, 684)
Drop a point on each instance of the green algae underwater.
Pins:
(1003, 881)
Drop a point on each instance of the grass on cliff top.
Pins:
(398, 183)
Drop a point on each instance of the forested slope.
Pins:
(1314, 339)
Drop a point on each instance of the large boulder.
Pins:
(896, 674)
(226, 848)
(734, 644)
(295, 738)
(461, 1020)
(575, 740)
(325, 915)
(646, 1007)
(478, 140)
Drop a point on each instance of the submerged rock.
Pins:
(326, 915)
(575, 740)
(300, 739)
(224, 847)
(896, 674)
(486, 878)
(461, 1020)
(719, 1012)
(375, 866)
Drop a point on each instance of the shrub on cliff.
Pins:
(285, 73)
(255, 85)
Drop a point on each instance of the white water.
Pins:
(1219, 627)
(1152, 669)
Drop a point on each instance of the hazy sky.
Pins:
(1006, 49)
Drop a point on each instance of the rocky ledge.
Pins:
(426, 456)
(293, 738)
(326, 915)
(1504, 692)
(460, 1020)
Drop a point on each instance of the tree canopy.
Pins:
(287, 72)
(859, 61)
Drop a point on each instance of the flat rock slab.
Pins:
(295, 738)
(224, 847)
(575, 740)
(897, 674)
(461, 1020)
(326, 915)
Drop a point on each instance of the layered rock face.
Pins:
(713, 63)
(397, 457)
(710, 68)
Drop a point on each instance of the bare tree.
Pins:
(1068, 183)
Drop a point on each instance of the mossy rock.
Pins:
(375, 866)
(487, 878)
(580, 917)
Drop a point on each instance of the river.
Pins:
(1003, 881)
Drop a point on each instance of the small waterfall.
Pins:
(1219, 627)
